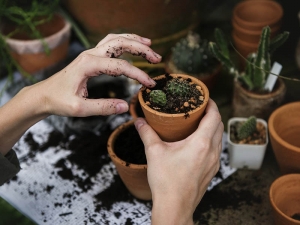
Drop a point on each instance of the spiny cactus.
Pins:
(192, 55)
(258, 63)
(178, 87)
(247, 128)
(158, 97)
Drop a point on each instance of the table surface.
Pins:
(71, 180)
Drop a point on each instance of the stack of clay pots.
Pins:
(248, 19)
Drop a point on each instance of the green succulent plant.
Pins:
(178, 87)
(158, 97)
(247, 128)
(258, 63)
(192, 55)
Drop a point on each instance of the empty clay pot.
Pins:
(244, 48)
(134, 176)
(251, 36)
(175, 127)
(284, 130)
(254, 15)
(285, 199)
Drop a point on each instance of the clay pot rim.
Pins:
(272, 130)
(287, 177)
(195, 80)
(132, 105)
(66, 28)
(110, 146)
(263, 96)
(275, 6)
(233, 119)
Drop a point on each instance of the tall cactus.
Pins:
(258, 64)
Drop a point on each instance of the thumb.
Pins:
(147, 134)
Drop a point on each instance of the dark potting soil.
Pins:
(175, 103)
(86, 151)
(129, 147)
(296, 216)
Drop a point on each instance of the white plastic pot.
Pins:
(246, 155)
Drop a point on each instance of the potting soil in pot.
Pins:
(129, 147)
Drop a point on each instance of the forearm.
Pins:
(171, 212)
(17, 115)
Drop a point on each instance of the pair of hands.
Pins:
(179, 173)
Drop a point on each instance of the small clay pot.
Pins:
(30, 54)
(285, 199)
(254, 15)
(175, 127)
(134, 176)
(284, 130)
(246, 103)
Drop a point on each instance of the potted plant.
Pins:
(247, 142)
(284, 196)
(191, 55)
(175, 106)
(33, 35)
(250, 96)
(127, 152)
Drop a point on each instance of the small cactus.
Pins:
(247, 128)
(158, 97)
(192, 55)
(178, 87)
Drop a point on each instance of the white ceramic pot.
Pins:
(246, 155)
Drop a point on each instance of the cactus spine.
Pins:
(247, 128)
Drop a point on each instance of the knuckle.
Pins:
(84, 57)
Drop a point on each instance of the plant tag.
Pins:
(271, 80)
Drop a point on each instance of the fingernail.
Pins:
(121, 108)
(138, 124)
(157, 55)
(146, 40)
(153, 83)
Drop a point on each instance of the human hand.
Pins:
(180, 172)
(66, 94)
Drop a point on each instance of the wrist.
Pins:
(171, 210)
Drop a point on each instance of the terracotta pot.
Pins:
(246, 103)
(284, 196)
(246, 156)
(134, 176)
(209, 79)
(244, 48)
(174, 127)
(135, 109)
(254, 15)
(284, 129)
(165, 22)
(30, 54)
(251, 36)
